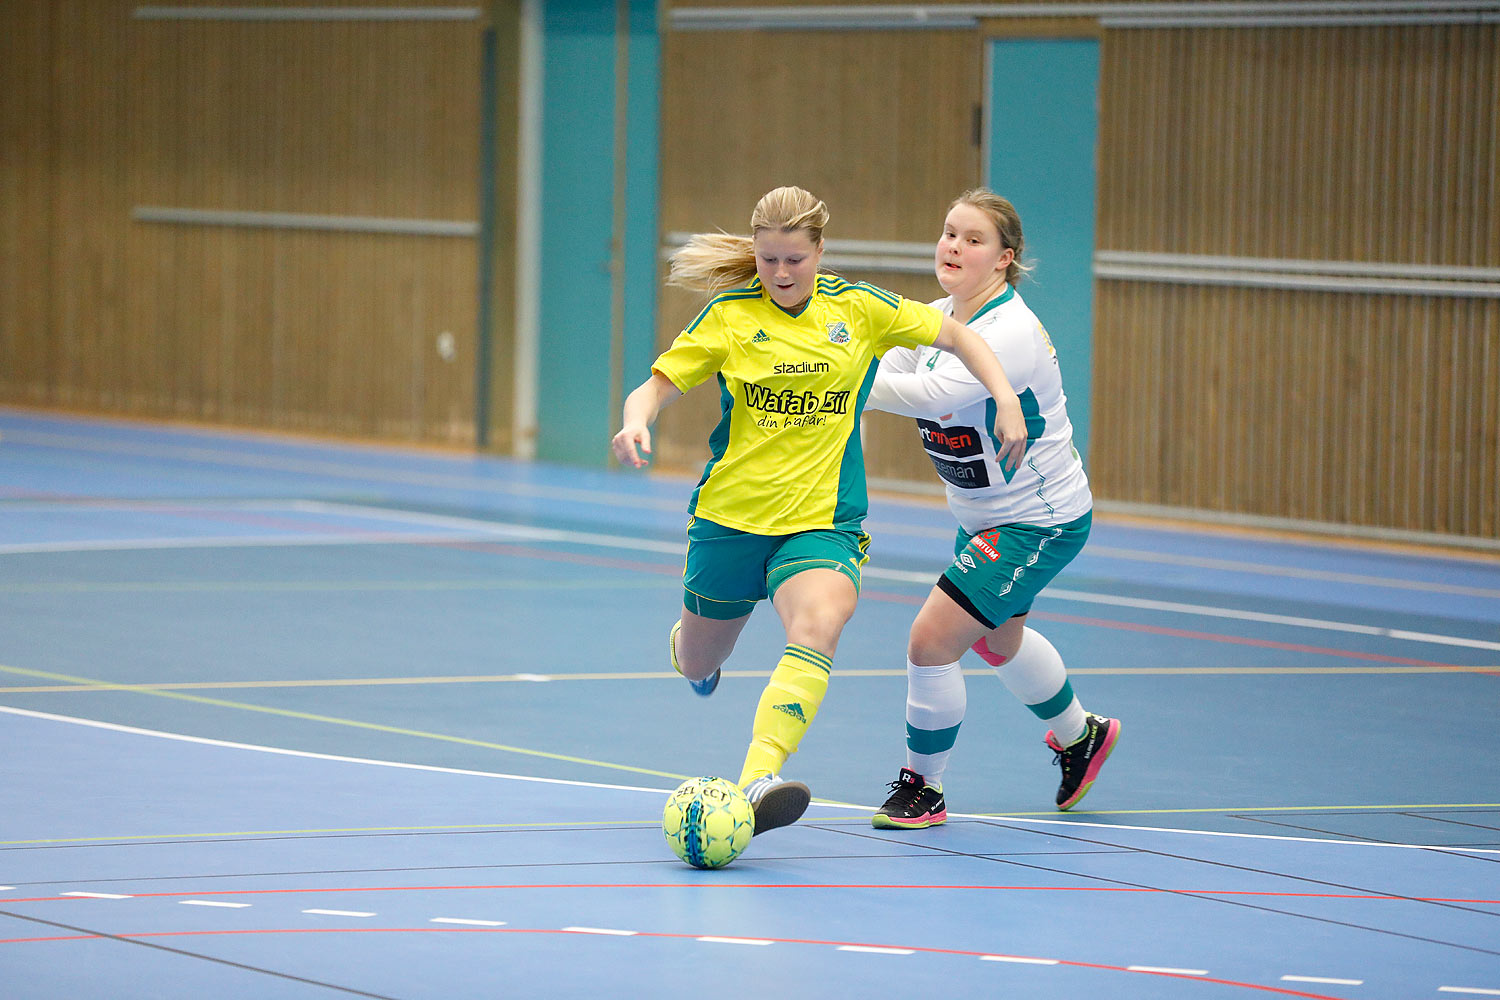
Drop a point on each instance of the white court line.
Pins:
(606, 498)
(869, 949)
(465, 529)
(735, 940)
(1470, 990)
(1263, 569)
(1222, 833)
(474, 529)
(280, 751)
(907, 576)
(340, 913)
(603, 498)
(213, 902)
(1018, 960)
(1258, 616)
(1323, 980)
(601, 930)
(467, 922)
(1166, 970)
(96, 895)
(235, 542)
(135, 731)
(343, 470)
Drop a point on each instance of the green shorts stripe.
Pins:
(930, 740)
(811, 657)
(1053, 706)
(728, 571)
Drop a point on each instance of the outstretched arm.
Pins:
(632, 445)
(929, 393)
(970, 348)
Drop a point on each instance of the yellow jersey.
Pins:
(786, 453)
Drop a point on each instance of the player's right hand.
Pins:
(632, 446)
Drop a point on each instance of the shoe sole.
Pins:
(781, 806)
(881, 821)
(1094, 766)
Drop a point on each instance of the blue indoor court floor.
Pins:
(285, 717)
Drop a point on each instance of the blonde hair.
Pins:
(710, 261)
(1007, 223)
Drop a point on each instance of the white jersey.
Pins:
(956, 417)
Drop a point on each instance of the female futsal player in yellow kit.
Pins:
(779, 508)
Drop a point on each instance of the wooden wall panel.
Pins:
(25, 200)
(1362, 144)
(1328, 407)
(338, 118)
(744, 112)
(89, 57)
(1359, 144)
(294, 329)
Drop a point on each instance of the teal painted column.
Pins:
(596, 261)
(1043, 135)
(642, 200)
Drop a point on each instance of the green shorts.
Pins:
(727, 571)
(997, 573)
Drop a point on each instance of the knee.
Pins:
(817, 625)
(929, 646)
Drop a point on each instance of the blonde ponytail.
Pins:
(708, 262)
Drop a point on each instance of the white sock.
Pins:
(1037, 676)
(935, 704)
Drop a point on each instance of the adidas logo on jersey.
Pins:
(793, 709)
(761, 337)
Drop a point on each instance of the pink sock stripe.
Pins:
(983, 649)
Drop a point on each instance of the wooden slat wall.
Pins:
(26, 165)
(1301, 405)
(1366, 144)
(314, 331)
(744, 112)
(1371, 144)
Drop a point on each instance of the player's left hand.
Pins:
(1010, 431)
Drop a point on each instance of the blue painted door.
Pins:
(1043, 124)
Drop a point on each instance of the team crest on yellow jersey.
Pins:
(838, 333)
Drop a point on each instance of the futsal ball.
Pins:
(708, 822)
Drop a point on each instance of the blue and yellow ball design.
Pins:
(708, 821)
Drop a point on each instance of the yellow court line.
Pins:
(333, 720)
(562, 824)
(88, 686)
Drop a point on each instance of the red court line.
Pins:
(1241, 640)
(657, 934)
(893, 598)
(527, 551)
(1368, 897)
(1179, 633)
